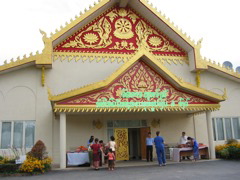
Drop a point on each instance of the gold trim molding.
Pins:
(195, 107)
(166, 20)
(19, 62)
(78, 19)
(84, 57)
(142, 52)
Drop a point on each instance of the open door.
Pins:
(121, 139)
(143, 133)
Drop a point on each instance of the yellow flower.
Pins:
(32, 164)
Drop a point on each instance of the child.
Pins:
(111, 158)
(106, 150)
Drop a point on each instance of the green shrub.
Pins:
(224, 153)
(11, 161)
(234, 152)
(232, 141)
(9, 168)
(1, 158)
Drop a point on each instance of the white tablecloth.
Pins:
(176, 152)
(74, 159)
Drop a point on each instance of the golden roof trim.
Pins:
(45, 58)
(142, 52)
(93, 108)
(167, 21)
(78, 19)
(19, 62)
(209, 63)
(69, 56)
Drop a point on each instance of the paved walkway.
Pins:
(122, 164)
(202, 170)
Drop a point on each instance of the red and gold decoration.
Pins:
(119, 31)
(139, 78)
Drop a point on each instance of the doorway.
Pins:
(137, 143)
(130, 136)
(134, 144)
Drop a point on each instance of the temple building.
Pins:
(121, 68)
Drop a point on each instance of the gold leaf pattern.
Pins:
(90, 38)
(155, 41)
(112, 31)
(121, 135)
(123, 29)
(139, 78)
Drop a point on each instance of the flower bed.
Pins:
(37, 162)
(228, 151)
(9, 168)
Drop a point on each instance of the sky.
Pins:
(216, 21)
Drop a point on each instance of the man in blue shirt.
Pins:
(159, 144)
(149, 147)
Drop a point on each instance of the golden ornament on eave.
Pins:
(123, 29)
(122, 12)
(90, 38)
(155, 41)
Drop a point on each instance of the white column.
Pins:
(210, 135)
(62, 140)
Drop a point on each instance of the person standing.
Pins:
(111, 158)
(183, 141)
(90, 152)
(194, 145)
(96, 149)
(183, 138)
(90, 141)
(101, 152)
(149, 147)
(112, 145)
(159, 144)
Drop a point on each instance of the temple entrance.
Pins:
(134, 144)
(130, 138)
(137, 143)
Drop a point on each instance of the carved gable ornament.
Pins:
(139, 78)
(120, 31)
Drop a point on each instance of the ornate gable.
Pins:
(139, 78)
(120, 31)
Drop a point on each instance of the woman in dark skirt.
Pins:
(96, 149)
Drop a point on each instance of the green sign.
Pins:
(147, 95)
(160, 102)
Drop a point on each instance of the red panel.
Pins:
(139, 78)
(119, 31)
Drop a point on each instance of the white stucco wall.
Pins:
(23, 98)
(182, 71)
(68, 75)
(216, 83)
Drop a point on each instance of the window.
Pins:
(236, 127)
(220, 131)
(226, 128)
(20, 134)
(6, 135)
(111, 124)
